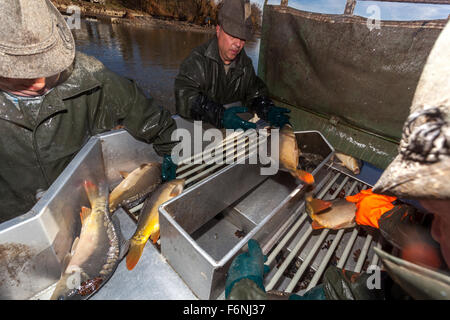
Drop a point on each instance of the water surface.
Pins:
(150, 56)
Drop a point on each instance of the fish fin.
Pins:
(65, 262)
(318, 205)
(315, 225)
(124, 244)
(124, 174)
(134, 253)
(91, 190)
(84, 213)
(155, 236)
(304, 176)
(74, 245)
(142, 166)
(176, 190)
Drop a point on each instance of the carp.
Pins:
(148, 221)
(290, 153)
(135, 185)
(335, 214)
(95, 254)
(349, 162)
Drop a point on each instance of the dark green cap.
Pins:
(234, 18)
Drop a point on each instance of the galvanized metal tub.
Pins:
(204, 228)
(32, 246)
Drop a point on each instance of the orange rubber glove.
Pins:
(370, 207)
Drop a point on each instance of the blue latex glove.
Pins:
(168, 169)
(231, 120)
(247, 265)
(277, 116)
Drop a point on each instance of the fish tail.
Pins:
(155, 236)
(306, 177)
(91, 191)
(316, 225)
(134, 253)
(316, 205)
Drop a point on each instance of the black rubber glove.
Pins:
(266, 110)
(206, 110)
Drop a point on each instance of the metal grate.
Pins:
(301, 255)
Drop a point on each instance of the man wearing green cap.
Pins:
(420, 172)
(52, 99)
(219, 73)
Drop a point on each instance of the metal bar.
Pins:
(316, 246)
(363, 254)
(299, 244)
(187, 163)
(288, 260)
(347, 249)
(293, 229)
(330, 251)
(350, 7)
(239, 145)
(205, 172)
(375, 257)
(305, 263)
(349, 246)
(288, 236)
(325, 260)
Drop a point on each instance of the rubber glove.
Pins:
(370, 207)
(247, 265)
(266, 110)
(231, 120)
(277, 117)
(168, 169)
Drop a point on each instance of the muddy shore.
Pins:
(117, 16)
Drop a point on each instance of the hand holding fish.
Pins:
(370, 207)
(364, 208)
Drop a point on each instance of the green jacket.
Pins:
(203, 73)
(90, 99)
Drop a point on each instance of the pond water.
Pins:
(150, 56)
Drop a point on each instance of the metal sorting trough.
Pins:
(204, 228)
(34, 245)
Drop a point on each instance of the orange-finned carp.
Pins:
(335, 214)
(136, 185)
(148, 222)
(289, 154)
(349, 162)
(95, 253)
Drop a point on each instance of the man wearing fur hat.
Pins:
(219, 73)
(421, 171)
(52, 99)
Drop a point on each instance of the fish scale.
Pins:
(96, 254)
